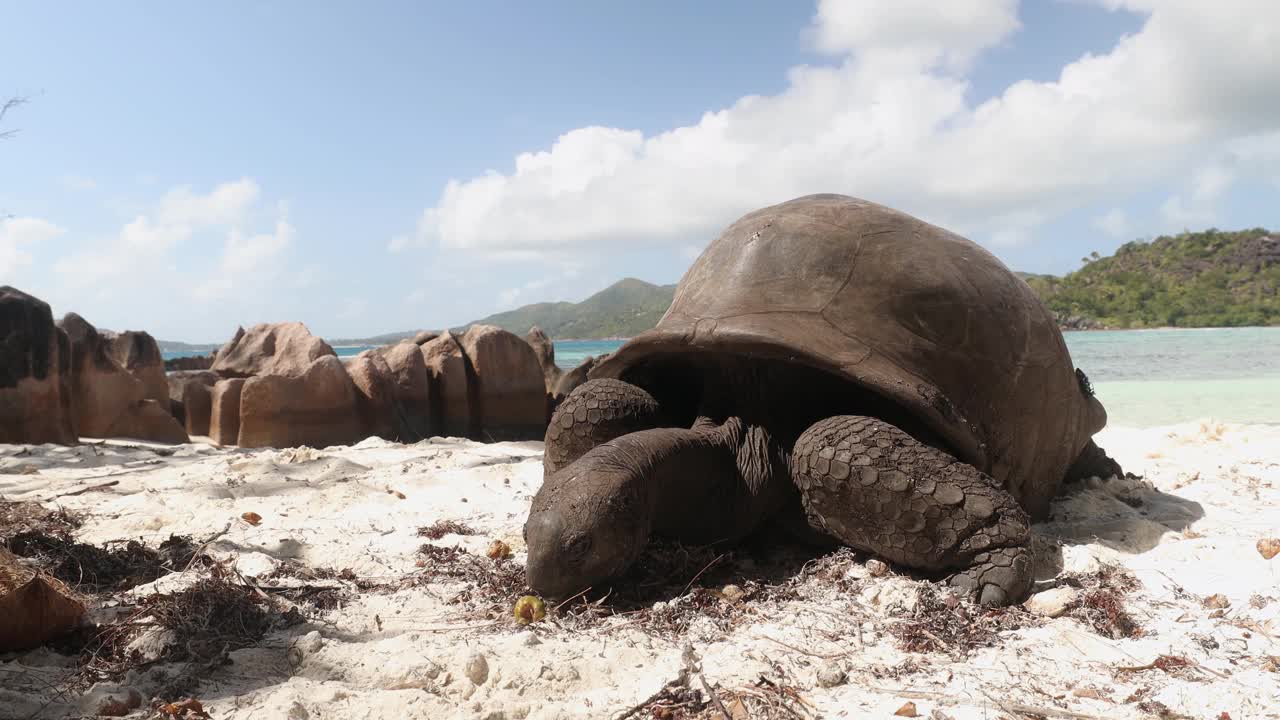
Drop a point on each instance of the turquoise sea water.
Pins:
(1143, 377)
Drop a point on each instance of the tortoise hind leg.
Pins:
(876, 488)
(596, 412)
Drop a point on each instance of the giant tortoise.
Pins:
(839, 366)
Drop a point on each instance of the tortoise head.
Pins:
(588, 523)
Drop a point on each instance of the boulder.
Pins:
(107, 399)
(148, 420)
(316, 407)
(545, 350)
(224, 413)
(424, 337)
(413, 389)
(139, 354)
(376, 402)
(35, 373)
(191, 398)
(271, 349)
(34, 608)
(450, 379)
(512, 394)
(225, 347)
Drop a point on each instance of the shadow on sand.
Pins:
(1126, 514)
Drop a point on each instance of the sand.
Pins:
(400, 645)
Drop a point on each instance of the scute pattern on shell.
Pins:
(919, 315)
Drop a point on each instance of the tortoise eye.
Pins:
(577, 544)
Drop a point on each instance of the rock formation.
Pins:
(108, 401)
(413, 389)
(511, 394)
(450, 378)
(224, 415)
(138, 353)
(35, 382)
(424, 337)
(191, 398)
(376, 402)
(545, 350)
(270, 349)
(316, 407)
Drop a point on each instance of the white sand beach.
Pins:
(395, 636)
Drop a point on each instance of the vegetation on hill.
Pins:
(1203, 279)
(624, 309)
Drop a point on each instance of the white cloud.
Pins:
(145, 239)
(1114, 223)
(149, 253)
(225, 205)
(398, 243)
(249, 264)
(18, 232)
(922, 31)
(1199, 204)
(894, 127)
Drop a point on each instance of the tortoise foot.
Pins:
(996, 578)
(596, 412)
(878, 489)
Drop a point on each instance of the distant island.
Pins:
(1201, 279)
(622, 310)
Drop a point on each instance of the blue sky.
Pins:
(187, 168)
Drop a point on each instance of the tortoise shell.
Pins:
(924, 318)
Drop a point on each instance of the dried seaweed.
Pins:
(440, 528)
(111, 567)
(953, 625)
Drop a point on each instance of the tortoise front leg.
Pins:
(596, 412)
(876, 488)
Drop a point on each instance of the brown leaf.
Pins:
(1217, 600)
(252, 518)
(907, 710)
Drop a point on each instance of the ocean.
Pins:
(1144, 378)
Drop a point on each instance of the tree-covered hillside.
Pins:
(1202, 279)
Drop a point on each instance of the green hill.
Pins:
(622, 310)
(1203, 279)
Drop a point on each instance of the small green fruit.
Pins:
(530, 609)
